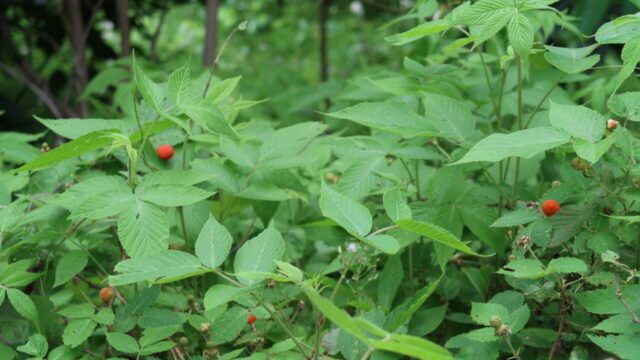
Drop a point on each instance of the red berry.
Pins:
(165, 152)
(550, 207)
(251, 319)
(612, 124)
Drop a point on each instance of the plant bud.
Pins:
(495, 322)
(503, 330)
(205, 326)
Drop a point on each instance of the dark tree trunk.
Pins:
(324, 45)
(74, 24)
(324, 50)
(122, 7)
(211, 36)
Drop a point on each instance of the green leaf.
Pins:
(258, 255)
(143, 229)
(232, 321)
(172, 195)
(162, 267)
(208, 116)
(484, 10)
(176, 177)
(350, 215)
(23, 304)
(426, 321)
(568, 265)
(152, 335)
(626, 346)
(218, 295)
(36, 346)
(605, 301)
(333, 313)
(123, 342)
(157, 347)
(523, 143)
(620, 30)
(626, 105)
(77, 311)
(285, 147)
(571, 60)
(77, 331)
(481, 313)
(413, 346)
(524, 269)
(103, 204)
(590, 151)
(520, 35)
(223, 89)
(392, 117)
(436, 233)
(568, 222)
(516, 217)
(179, 85)
(77, 147)
(213, 244)
(418, 32)
(404, 313)
(395, 205)
(389, 281)
(70, 264)
(578, 121)
(451, 117)
(151, 92)
(383, 242)
(290, 271)
(630, 58)
(104, 316)
(75, 128)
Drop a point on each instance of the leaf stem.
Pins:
(544, 98)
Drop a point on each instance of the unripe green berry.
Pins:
(184, 341)
(210, 345)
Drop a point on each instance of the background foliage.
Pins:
(351, 180)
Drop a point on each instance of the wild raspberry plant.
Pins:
(420, 230)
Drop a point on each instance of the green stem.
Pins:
(406, 167)
(266, 306)
(513, 351)
(503, 194)
(544, 98)
(517, 174)
(411, 286)
(417, 179)
(488, 80)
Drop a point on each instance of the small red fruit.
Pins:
(550, 207)
(165, 152)
(612, 124)
(251, 319)
(106, 294)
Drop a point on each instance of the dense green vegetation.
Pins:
(328, 180)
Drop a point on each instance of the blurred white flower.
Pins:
(352, 247)
(356, 7)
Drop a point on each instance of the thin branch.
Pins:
(92, 17)
(42, 94)
(619, 294)
(156, 33)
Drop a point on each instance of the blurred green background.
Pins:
(66, 58)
